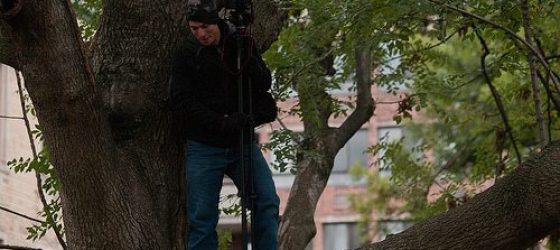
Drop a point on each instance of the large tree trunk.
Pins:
(118, 192)
(114, 145)
(515, 213)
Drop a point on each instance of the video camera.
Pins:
(239, 12)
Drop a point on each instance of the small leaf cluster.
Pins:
(41, 166)
(51, 215)
(285, 145)
(234, 207)
(225, 239)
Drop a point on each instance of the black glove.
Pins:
(235, 121)
(264, 107)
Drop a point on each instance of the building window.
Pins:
(341, 236)
(387, 135)
(352, 153)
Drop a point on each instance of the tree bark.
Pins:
(270, 18)
(297, 226)
(515, 213)
(8, 53)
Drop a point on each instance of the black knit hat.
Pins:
(203, 11)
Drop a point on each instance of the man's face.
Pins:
(206, 34)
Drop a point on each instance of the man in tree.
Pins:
(204, 91)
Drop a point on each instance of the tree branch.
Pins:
(551, 97)
(365, 105)
(11, 117)
(51, 58)
(269, 21)
(301, 69)
(21, 215)
(546, 82)
(3, 246)
(399, 101)
(50, 219)
(507, 31)
(495, 93)
(429, 47)
(46, 35)
(543, 128)
(526, 201)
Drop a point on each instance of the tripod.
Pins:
(241, 15)
(245, 148)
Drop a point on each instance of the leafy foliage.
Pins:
(461, 129)
(51, 213)
(284, 145)
(313, 61)
(433, 53)
(88, 13)
(224, 239)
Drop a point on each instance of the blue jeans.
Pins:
(206, 166)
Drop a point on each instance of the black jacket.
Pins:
(203, 88)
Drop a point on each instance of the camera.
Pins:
(239, 12)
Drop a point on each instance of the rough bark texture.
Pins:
(112, 141)
(297, 226)
(8, 52)
(515, 213)
(269, 21)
